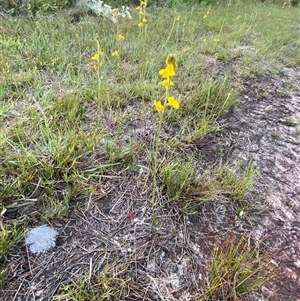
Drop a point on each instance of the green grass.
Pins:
(236, 269)
(63, 127)
(100, 288)
(188, 188)
(10, 235)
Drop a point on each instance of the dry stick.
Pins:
(89, 202)
(16, 294)
(117, 202)
(30, 269)
(91, 269)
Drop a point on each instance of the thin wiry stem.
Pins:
(157, 143)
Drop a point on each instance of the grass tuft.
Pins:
(189, 190)
(237, 268)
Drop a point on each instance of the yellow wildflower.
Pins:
(177, 19)
(140, 24)
(173, 102)
(138, 8)
(167, 83)
(205, 16)
(96, 67)
(168, 71)
(97, 55)
(158, 105)
(216, 40)
(204, 40)
(143, 3)
(171, 60)
(115, 53)
(121, 37)
(144, 20)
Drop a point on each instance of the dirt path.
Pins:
(263, 128)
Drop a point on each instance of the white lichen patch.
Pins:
(41, 239)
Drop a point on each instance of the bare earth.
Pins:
(169, 262)
(268, 137)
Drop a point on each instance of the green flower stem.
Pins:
(143, 66)
(157, 143)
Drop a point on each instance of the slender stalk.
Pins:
(166, 74)
(143, 65)
(157, 143)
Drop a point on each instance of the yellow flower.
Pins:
(144, 20)
(115, 53)
(96, 67)
(173, 102)
(205, 16)
(171, 60)
(177, 19)
(143, 3)
(121, 37)
(138, 8)
(140, 24)
(159, 107)
(216, 40)
(168, 71)
(204, 40)
(167, 83)
(97, 55)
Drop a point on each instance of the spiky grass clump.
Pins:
(102, 287)
(236, 270)
(10, 235)
(189, 190)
